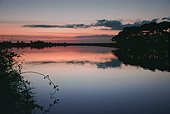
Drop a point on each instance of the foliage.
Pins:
(16, 96)
(153, 34)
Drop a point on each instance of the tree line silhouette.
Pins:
(41, 44)
(147, 34)
(32, 44)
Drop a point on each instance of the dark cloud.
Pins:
(113, 24)
(96, 36)
(139, 23)
(166, 18)
(118, 25)
(41, 26)
(75, 26)
(58, 26)
(108, 24)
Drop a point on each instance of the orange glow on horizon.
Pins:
(6, 29)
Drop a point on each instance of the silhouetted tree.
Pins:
(16, 96)
(152, 34)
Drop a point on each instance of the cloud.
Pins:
(96, 36)
(58, 26)
(40, 26)
(108, 24)
(118, 25)
(166, 18)
(74, 26)
(139, 23)
(113, 24)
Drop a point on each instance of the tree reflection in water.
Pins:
(152, 57)
(16, 96)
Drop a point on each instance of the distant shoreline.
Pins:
(41, 44)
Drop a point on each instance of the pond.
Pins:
(98, 80)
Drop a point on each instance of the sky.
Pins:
(70, 18)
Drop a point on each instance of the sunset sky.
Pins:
(72, 18)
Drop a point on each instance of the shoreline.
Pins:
(49, 44)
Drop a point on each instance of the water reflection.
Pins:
(100, 57)
(152, 58)
(111, 63)
(53, 98)
(94, 80)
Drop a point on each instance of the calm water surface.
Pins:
(92, 80)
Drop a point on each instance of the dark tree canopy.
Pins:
(152, 33)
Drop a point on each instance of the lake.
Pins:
(96, 80)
